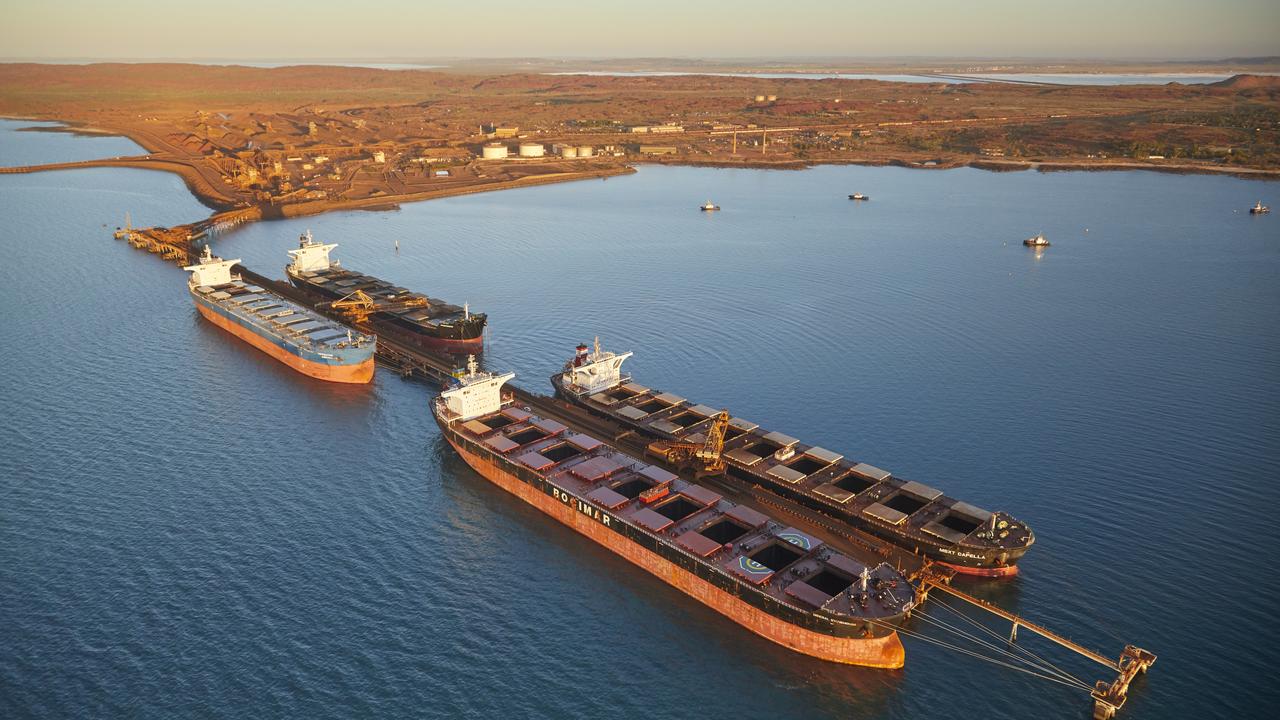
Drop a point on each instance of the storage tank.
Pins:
(586, 151)
(759, 98)
(532, 150)
(493, 151)
(569, 151)
(773, 98)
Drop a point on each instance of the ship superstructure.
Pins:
(908, 513)
(298, 337)
(775, 580)
(429, 323)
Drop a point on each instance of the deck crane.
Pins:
(706, 457)
(358, 306)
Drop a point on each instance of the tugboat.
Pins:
(708, 206)
(1259, 209)
(859, 196)
(1037, 241)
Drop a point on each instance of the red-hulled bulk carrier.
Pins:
(779, 582)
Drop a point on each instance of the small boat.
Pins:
(859, 196)
(1259, 209)
(1037, 241)
(709, 207)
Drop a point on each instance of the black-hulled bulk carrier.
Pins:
(909, 514)
(433, 325)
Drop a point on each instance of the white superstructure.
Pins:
(478, 393)
(311, 255)
(593, 371)
(211, 271)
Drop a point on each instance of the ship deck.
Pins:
(280, 317)
(339, 282)
(846, 486)
(789, 564)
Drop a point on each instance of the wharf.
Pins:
(412, 362)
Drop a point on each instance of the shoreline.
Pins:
(209, 195)
(989, 165)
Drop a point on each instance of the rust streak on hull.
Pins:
(882, 652)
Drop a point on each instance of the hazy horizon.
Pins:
(317, 30)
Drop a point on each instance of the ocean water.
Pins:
(952, 79)
(190, 530)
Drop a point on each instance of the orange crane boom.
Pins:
(706, 457)
(358, 306)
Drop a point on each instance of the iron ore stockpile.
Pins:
(693, 495)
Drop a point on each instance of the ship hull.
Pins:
(353, 373)
(998, 562)
(991, 571)
(879, 651)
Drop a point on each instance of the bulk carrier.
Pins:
(311, 344)
(909, 514)
(774, 580)
(433, 325)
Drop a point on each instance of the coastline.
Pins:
(225, 206)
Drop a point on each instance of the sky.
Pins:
(353, 29)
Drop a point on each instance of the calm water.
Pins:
(1051, 78)
(190, 530)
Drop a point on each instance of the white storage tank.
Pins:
(493, 151)
(532, 150)
(586, 151)
(569, 151)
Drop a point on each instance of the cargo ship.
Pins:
(776, 581)
(433, 325)
(305, 341)
(909, 514)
